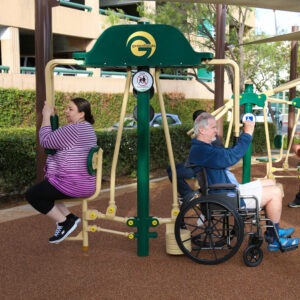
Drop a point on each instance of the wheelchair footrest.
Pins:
(291, 248)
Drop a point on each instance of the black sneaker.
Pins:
(71, 217)
(63, 230)
(294, 204)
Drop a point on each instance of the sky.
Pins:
(265, 21)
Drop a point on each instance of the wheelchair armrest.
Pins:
(222, 186)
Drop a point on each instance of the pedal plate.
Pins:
(291, 248)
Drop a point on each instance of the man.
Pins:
(183, 172)
(217, 160)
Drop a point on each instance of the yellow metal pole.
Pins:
(111, 210)
(50, 79)
(175, 207)
(236, 87)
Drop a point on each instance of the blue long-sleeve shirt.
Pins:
(216, 160)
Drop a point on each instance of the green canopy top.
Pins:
(150, 45)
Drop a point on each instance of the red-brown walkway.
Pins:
(31, 268)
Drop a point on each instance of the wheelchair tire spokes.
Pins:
(216, 231)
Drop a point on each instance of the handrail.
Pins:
(124, 16)
(162, 76)
(59, 71)
(72, 71)
(4, 68)
(75, 5)
(24, 70)
(112, 73)
(50, 66)
(172, 76)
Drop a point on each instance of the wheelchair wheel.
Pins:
(216, 230)
(253, 256)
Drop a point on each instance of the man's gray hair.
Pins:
(201, 122)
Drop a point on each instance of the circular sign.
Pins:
(142, 81)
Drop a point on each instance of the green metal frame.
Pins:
(248, 99)
(142, 46)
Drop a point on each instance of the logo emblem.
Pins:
(141, 44)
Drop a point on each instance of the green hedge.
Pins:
(18, 152)
(18, 145)
(18, 107)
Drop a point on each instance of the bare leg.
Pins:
(63, 209)
(56, 215)
(272, 201)
(268, 182)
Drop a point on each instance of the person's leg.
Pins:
(56, 215)
(268, 182)
(63, 209)
(182, 173)
(269, 197)
(183, 187)
(296, 202)
(271, 200)
(42, 197)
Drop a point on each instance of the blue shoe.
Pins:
(286, 244)
(285, 232)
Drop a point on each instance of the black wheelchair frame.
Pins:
(217, 224)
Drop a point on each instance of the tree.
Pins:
(262, 64)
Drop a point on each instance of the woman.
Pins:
(66, 174)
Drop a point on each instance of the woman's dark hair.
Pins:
(84, 106)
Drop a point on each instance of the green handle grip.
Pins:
(54, 125)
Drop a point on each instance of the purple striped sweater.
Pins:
(67, 170)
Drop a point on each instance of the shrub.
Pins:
(18, 152)
(18, 107)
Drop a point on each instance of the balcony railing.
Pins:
(59, 71)
(75, 5)
(4, 69)
(101, 11)
(120, 15)
(65, 71)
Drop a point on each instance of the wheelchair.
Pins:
(217, 224)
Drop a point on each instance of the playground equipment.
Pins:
(271, 169)
(279, 140)
(141, 47)
(248, 99)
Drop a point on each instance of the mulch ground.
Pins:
(31, 268)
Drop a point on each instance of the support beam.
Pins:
(43, 53)
(293, 75)
(220, 54)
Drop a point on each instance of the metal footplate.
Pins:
(290, 248)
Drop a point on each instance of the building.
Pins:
(76, 25)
